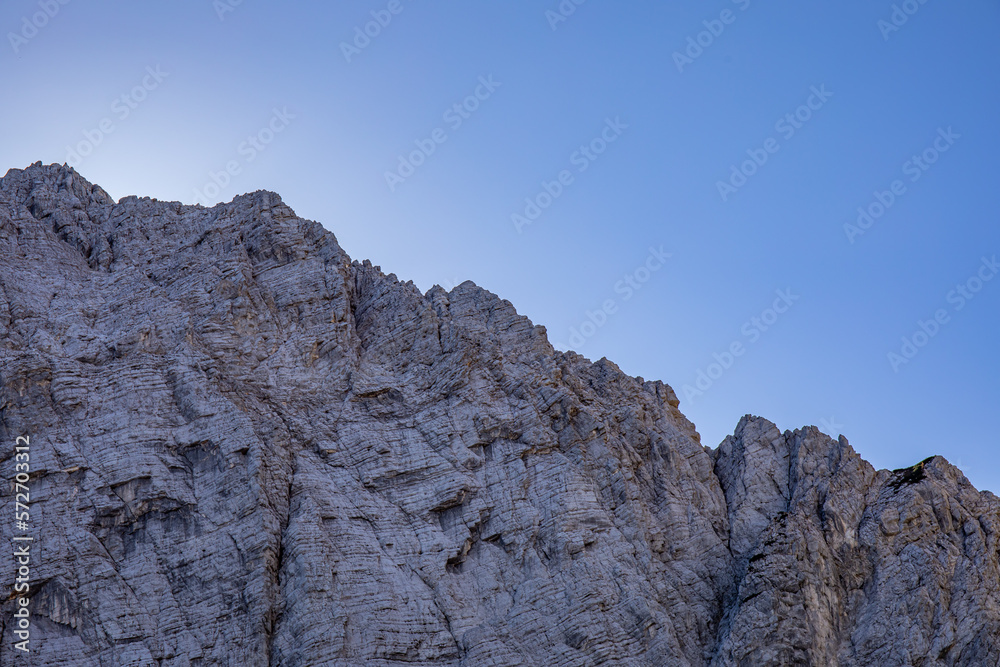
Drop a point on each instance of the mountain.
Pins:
(247, 449)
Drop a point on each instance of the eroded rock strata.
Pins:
(248, 449)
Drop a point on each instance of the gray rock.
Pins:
(248, 449)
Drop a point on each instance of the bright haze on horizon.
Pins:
(784, 211)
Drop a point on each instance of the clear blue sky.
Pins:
(660, 133)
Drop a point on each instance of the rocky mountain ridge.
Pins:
(248, 449)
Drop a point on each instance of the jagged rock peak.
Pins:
(248, 449)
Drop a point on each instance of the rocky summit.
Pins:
(244, 448)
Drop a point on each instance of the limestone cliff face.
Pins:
(249, 450)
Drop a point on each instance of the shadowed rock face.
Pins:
(247, 449)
